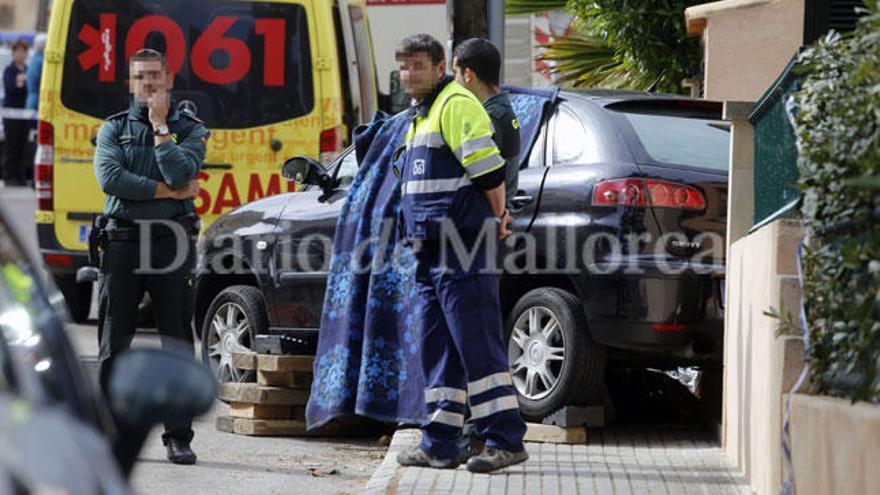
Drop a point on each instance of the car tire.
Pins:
(234, 319)
(77, 296)
(543, 381)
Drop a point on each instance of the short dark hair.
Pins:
(480, 56)
(421, 43)
(19, 44)
(147, 55)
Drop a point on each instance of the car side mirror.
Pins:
(150, 386)
(304, 170)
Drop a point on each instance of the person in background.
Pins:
(35, 72)
(476, 64)
(16, 129)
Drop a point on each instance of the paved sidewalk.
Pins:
(616, 460)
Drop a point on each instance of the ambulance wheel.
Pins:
(554, 361)
(77, 296)
(235, 317)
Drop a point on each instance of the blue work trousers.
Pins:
(464, 358)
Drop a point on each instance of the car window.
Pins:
(237, 64)
(536, 157)
(675, 140)
(573, 142)
(348, 168)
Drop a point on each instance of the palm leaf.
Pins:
(588, 61)
(519, 7)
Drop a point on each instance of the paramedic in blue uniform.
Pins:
(452, 190)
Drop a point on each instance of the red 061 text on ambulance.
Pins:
(102, 48)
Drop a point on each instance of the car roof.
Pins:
(625, 100)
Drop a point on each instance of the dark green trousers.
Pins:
(121, 288)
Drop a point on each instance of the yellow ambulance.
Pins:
(271, 80)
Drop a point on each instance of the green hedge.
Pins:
(836, 116)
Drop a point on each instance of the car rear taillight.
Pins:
(43, 164)
(332, 142)
(639, 192)
(665, 327)
(58, 260)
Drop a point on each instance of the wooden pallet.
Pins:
(537, 432)
(275, 405)
(272, 363)
(274, 427)
(254, 393)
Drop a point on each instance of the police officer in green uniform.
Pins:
(146, 163)
(476, 64)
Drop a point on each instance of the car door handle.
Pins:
(522, 200)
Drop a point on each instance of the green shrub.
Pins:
(836, 115)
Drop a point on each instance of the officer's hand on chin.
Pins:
(159, 105)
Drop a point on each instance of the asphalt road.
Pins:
(228, 464)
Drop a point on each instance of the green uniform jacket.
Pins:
(505, 134)
(129, 167)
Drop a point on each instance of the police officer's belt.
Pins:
(118, 229)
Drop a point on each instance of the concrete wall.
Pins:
(835, 446)
(759, 365)
(746, 44)
(741, 178)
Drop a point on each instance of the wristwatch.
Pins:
(161, 130)
(500, 218)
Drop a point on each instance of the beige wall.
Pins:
(759, 365)
(746, 44)
(835, 446)
(18, 15)
(741, 179)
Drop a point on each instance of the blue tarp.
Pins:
(368, 360)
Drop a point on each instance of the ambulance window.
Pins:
(364, 62)
(237, 64)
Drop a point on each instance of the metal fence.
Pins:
(775, 150)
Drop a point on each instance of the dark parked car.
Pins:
(623, 200)
(57, 434)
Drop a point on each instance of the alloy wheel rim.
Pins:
(230, 333)
(536, 353)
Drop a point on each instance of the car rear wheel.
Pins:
(553, 360)
(233, 320)
(77, 296)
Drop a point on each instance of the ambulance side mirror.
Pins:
(304, 170)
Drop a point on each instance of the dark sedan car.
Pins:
(620, 223)
(57, 435)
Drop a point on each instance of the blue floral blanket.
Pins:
(368, 360)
